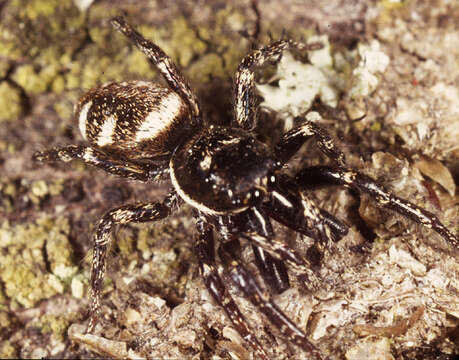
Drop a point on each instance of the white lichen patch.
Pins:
(405, 260)
(77, 287)
(373, 61)
(370, 350)
(298, 84)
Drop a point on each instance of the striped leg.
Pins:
(292, 141)
(204, 248)
(163, 62)
(247, 284)
(324, 175)
(243, 85)
(122, 215)
(131, 170)
(281, 252)
(294, 209)
(271, 269)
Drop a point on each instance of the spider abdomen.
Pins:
(137, 119)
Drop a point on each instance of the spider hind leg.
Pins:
(162, 61)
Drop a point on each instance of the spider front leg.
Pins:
(122, 215)
(295, 210)
(324, 175)
(272, 270)
(246, 282)
(205, 250)
(292, 141)
(163, 62)
(244, 107)
(91, 156)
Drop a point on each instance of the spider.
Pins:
(234, 183)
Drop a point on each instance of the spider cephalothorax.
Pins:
(234, 182)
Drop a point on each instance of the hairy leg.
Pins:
(204, 248)
(271, 269)
(292, 141)
(244, 107)
(247, 284)
(295, 210)
(90, 156)
(324, 175)
(163, 62)
(122, 215)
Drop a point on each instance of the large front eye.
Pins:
(255, 196)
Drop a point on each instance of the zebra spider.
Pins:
(234, 183)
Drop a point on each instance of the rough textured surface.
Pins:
(395, 297)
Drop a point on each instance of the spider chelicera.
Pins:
(234, 183)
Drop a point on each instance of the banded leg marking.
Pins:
(163, 62)
(122, 215)
(323, 175)
(246, 282)
(292, 141)
(243, 85)
(90, 156)
(204, 248)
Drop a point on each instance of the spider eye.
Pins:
(254, 196)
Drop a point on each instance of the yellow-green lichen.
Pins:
(208, 66)
(38, 190)
(64, 109)
(32, 9)
(55, 325)
(7, 350)
(4, 67)
(376, 126)
(23, 269)
(32, 81)
(10, 102)
(392, 4)
(178, 39)
(31, 26)
(5, 321)
(3, 301)
(41, 37)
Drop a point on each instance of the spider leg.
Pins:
(243, 84)
(292, 141)
(280, 251)
(320, 175)
(91, 156)
(272, 269)
(295, 210)
(163, 62)
(205, 251)
(122, 215)
(246, 282)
